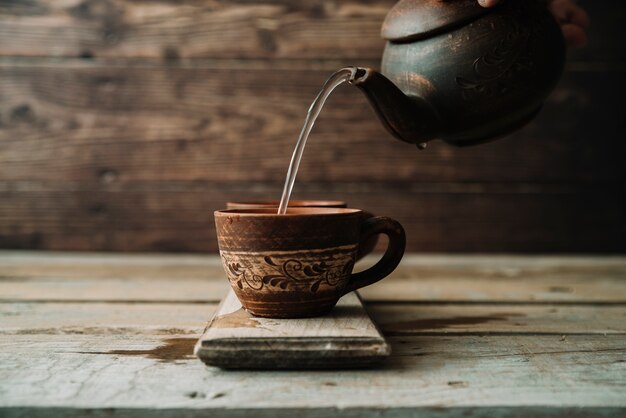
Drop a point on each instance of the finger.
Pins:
(559, 8)
(579, 17)
(566, 11)
(488, 3)
(574, 35)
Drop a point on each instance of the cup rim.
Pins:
(292, 203)
(291, 212)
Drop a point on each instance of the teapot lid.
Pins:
(417, 19)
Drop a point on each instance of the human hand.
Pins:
(573, 19)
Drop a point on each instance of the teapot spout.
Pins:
(408, 118)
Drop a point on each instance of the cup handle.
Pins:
(391, 258)
(367, 246)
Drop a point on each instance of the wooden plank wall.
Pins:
(125, 123)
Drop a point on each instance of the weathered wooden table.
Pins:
(112, 335)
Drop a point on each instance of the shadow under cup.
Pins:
(300, 264)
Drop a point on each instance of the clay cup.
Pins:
(299, 264)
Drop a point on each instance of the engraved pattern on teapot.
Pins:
(495, 71)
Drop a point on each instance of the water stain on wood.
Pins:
(560, 289)
(23, 113)
(170, 53)
(444, 323)
(238, 319)
(173, 349)
(195, 394)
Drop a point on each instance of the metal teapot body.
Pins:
(463, 74)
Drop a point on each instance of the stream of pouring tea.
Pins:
(335, 80)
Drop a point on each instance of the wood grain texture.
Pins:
(105, 318)
(171, 31)
(346, 338)
(49, 277)
(98, 318)
(166, 219)
(93, 126)
(124, 123)
(526, 375)
(483, 359)
(193, 29)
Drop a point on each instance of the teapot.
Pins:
(456, 71)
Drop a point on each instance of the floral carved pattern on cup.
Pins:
(272, 273)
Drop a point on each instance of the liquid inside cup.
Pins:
(290, 211)
(292, 204)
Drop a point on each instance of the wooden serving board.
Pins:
(346, 338)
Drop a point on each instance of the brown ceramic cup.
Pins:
(299, 264)
(365, 247)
